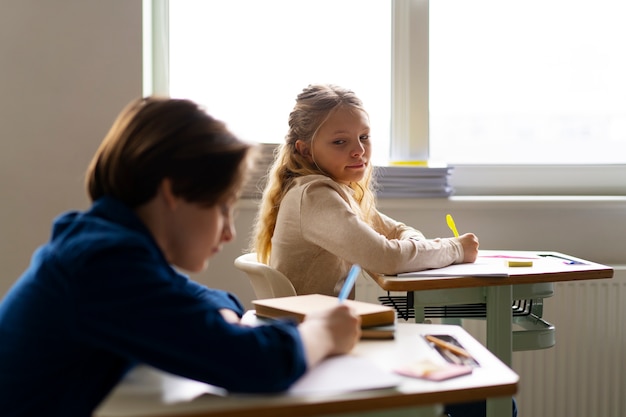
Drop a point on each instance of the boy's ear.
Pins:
(303, 148)
(165, 190)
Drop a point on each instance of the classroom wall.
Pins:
(68, 67)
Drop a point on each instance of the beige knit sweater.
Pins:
(319, 235)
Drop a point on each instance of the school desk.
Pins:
(410, 397)
(498, 293)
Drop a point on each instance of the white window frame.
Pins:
(409, 113)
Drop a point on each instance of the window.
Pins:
(521, 97)
(528, 82)
(251, 58)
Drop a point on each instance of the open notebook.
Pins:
(343, 373)
(483, 267)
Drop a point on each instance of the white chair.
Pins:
(266, 281)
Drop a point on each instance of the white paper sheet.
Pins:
(481, 268)
(344, 374)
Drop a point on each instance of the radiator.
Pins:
(584, 374)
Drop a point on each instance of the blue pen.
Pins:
(566, 261)
(347, 286)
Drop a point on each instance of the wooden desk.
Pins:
(543, 270)
(497, 293)
(412, 396)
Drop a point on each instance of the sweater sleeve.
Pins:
(393, 229)
(148, 312)
(328, 220)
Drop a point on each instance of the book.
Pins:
(379, 332)
(385, 331)
(298, 306)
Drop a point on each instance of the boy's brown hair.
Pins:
(156, 138)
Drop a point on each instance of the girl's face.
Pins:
(342, 146)
(199, 232)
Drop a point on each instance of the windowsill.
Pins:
(539, 180)
(501, 201)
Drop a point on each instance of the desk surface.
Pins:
(492, 379)
(544, 269)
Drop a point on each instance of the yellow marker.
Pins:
(451, 225)
(520, 263)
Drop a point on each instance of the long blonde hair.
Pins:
(313, 107)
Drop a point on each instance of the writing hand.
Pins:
(469, 241)
(330, 332)
(230, 316)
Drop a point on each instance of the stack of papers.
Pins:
(413, 181)
(257, 179)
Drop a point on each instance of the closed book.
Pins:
(299, 306)
(386, 331)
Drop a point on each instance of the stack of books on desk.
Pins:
(253, 188)
(427, 181)
(377, 321)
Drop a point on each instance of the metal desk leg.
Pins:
(420, 316)
(500, 339)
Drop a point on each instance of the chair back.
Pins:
(266, 281)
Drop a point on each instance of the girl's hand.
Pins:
(469, 241)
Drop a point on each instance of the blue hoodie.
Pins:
(99, 298)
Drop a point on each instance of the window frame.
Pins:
(410, 114)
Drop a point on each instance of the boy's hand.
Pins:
(330, 332)
(230, 316)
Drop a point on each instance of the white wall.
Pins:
(67, 68)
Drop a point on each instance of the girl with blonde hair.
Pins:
(318, 214)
